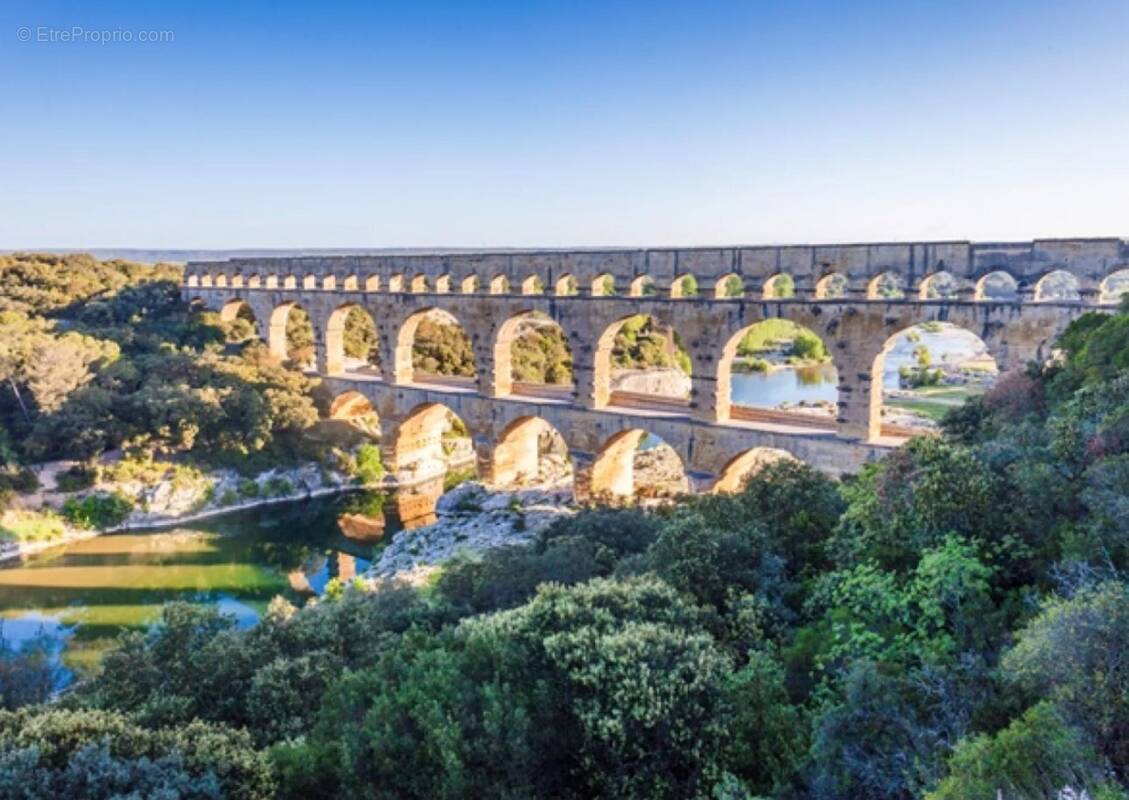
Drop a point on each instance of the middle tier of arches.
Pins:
(855, 337)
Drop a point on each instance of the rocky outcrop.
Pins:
(221, 491)
(666, 381)
(659, 473)
(470, 519)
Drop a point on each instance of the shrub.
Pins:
(369, 467)
(76, 478)
(277, 487)
(97, 510)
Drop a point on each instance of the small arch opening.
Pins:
(567, 286)
(603, 285)
(940, 286)
(730, 287)
(443, 284)
(419, 284)
(372, 283)
(831, 287)
(499, 284)
(396, 283)
(886, 286)
(780, 287)
(684, 286)
(643, 286)
(469, 284)
(533, 285)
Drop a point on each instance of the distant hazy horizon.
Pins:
(185, 254)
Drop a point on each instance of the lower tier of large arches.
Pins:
(510, 438)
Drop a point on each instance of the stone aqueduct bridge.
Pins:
(490, 293)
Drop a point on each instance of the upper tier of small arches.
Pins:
(1001, 286)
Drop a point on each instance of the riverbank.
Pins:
(176, 500)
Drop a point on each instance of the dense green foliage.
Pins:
(799, 344)
(102, 355)
(642, 342)
(949, 623)
(442, 348)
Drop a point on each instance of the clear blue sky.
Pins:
(525, 123)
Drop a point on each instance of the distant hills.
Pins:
(146, 256)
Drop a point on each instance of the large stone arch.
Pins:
(612, 474)
(236, 308)
(998, 286)
(230, 309)
(402, 369)
(1114, 287)
(517, 456)
(601, 390)
(276, 329)
(506, 336)
(1058, 285)
(416, 449)
(746, 464)
(350, 404)
(723, 407)
(332, 359)
(877, 427)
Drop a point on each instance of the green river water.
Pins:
(76, 599)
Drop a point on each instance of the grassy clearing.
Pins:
(30, 526)
(950, 392)
(922, 408)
